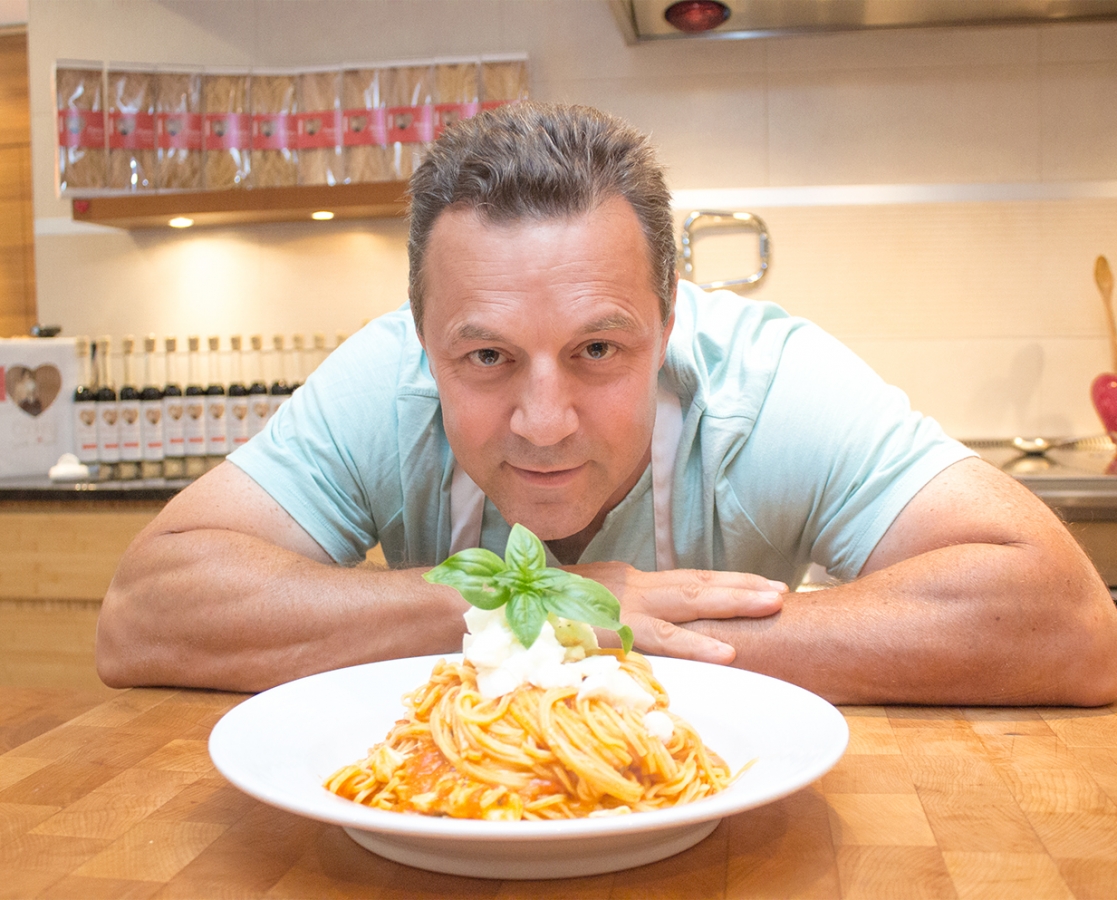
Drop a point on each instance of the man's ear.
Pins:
(670, 323)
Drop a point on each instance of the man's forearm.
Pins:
(968, 624)
(220, 609)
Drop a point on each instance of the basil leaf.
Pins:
(525, 614)
(472, 573)
(584, 601)
(625, 634)
(524, 551)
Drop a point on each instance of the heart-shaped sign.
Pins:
(1104, 394)
(33, 390)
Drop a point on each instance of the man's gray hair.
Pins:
(541, 161)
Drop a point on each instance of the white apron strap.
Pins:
(467, 502)
(665, 447)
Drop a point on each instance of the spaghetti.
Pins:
(532, 753)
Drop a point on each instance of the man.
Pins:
(693, 452)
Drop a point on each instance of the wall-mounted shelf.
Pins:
(244, 206)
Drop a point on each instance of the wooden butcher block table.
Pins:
(113, 795)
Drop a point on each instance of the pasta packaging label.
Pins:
(410, 124)
(366, 127)
(272, 131)
(316, 130)
(131, 130)
(228, 131)
(178, 131)
(80, 128)
(446, 114)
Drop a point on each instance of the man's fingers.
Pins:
(687, 595)
(661, 638)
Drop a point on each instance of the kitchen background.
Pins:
(936, 197)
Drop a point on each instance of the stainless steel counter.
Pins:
(1079, 482)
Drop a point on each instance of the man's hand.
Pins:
(654, 604)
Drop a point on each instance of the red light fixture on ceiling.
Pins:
(694, 16)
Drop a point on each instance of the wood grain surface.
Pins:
(117, 798)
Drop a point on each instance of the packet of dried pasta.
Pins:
(364, 135)
(79, 99)
(227, 132)
(178, 130)
(131, 107)
(408, 91)
(318, 127)
(275, 161)
(504, 79)
(457, 91)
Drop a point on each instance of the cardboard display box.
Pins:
(37, 381)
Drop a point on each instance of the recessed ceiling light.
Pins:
(180, 222)
(323, 215)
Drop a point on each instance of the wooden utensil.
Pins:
(1103, 276)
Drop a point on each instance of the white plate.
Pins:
(279, 747)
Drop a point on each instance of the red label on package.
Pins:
(227, 131)
(493, 104)
(317, 129)
(446, 114)
(81, 128)
(272, 131)
(364, 127)
(410, 124)
(131, 131)
(178, 131)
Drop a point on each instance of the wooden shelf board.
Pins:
(244, 206)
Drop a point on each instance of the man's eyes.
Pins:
(486, 357)
(599, 350)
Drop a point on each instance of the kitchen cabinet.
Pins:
(59, 548)
(57, 557)
(243, 206)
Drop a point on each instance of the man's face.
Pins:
(545, 340)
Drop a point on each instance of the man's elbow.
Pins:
(1088, 661)
(115, 648)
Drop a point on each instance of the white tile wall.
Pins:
(985, 312)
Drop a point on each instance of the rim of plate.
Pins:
(337, 810)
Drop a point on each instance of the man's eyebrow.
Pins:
(470, 331)
(617, 321)
(467, 331)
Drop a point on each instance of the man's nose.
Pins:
(545, 411)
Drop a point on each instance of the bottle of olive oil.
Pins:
(194, 421)
(217, 425)
(108, 414)
(280, 390)
(85, 405)
(174, 414)
(238, 397)
(128, 403)
(151, 416)
(259, 405)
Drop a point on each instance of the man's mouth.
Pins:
(546, 477)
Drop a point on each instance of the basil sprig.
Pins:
(529, 589)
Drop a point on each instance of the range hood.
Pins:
(645, 20)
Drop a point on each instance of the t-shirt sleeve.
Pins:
(328, 456)
(840, 454)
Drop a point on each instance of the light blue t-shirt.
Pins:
(793, 451)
